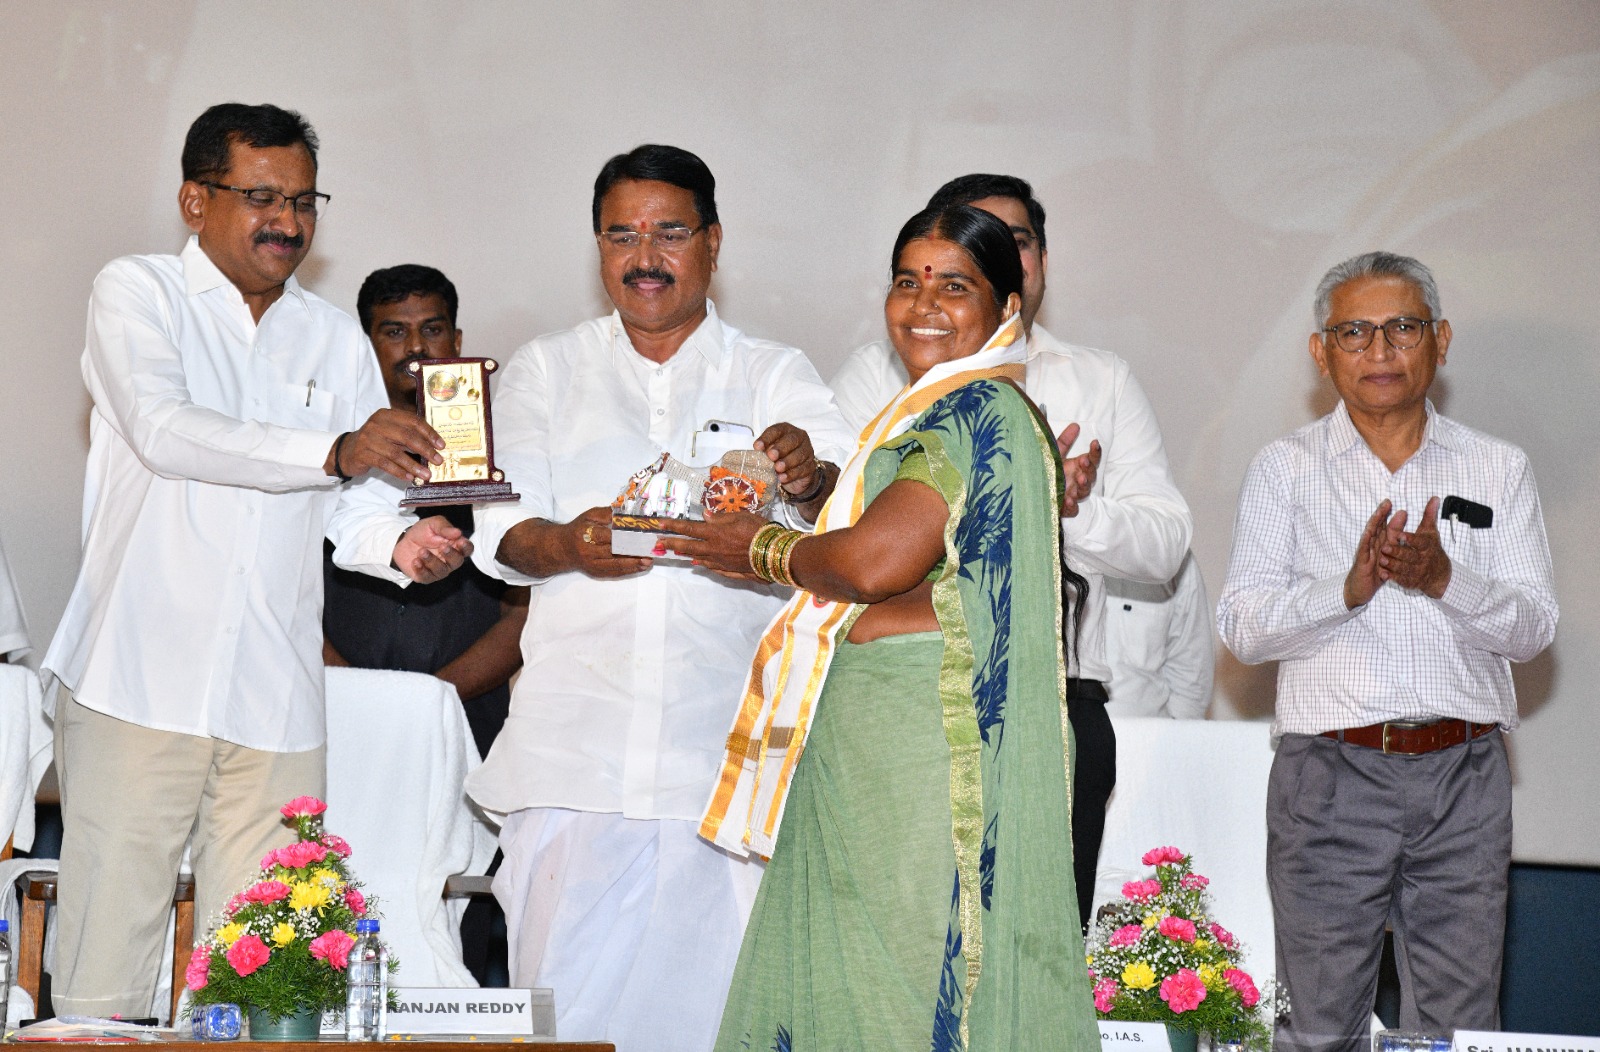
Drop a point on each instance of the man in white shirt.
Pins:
(1158, 644)
(632, 667)
(1390, 796)
(228, 417)
(1123, 516)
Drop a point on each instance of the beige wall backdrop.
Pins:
(1202, 162)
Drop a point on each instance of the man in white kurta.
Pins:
(1158, 646)
(632, 667)
(228, 409)
(1123, 515)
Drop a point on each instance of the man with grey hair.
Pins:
(1390, 796)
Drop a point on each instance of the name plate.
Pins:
(1490, 1041)
(1116, 1036)
(437, 1010)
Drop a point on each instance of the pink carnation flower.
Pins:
(337, 844)
(356, 901)
(1224, 936)
(1139, 890)
(333, 947)
(236, 903)
(301, 854)
(1105, 992)
(1177, 928)
(1192, 882)
(1158, 856)
(247, 954)
(1183, 991)
(303, 807)
(198, 973)
(1127, 935)
(267, 891)
(1244, 986)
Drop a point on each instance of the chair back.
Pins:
(1201, 786)
(399, 749)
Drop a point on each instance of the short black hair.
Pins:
(965, 189)
(661, 164)
(986, 238)
(211, 137)
(393, 284)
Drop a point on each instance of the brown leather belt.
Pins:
(1412, 739)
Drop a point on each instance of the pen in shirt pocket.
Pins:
(311, 385)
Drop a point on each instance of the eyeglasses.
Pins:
(307, 206)
(1401, 333)
(667, 239)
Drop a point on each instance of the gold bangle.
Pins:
(759, 545)
(785, 575)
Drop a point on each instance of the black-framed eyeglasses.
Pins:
(308, 206)
(667, 239)
(1401, 333)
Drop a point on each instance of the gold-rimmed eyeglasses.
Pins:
(667, 239)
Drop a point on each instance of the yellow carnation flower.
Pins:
(229, 934)
(1210, 976)
(282, 933)
(1138, 976)
(310, 894)
(327, 876)
(1202, 945)
(1152, 919)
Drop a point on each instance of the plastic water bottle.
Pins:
(366, 1005)
(5, 974)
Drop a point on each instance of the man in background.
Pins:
(1158, 644)
(1123, 516)
(466, 628)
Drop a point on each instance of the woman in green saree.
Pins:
(904, 717)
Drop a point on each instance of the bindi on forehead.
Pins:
(927, 271)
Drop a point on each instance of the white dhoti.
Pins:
(635, 924)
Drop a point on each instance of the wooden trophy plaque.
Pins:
(453, 397)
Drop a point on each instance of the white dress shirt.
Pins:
(1159, 647)
(198, 607)
(1134, 524)
(1402, 656)
(628, 686)
(13, 626)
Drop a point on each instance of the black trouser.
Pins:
(1094, 775)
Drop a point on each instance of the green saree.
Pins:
(920, 893)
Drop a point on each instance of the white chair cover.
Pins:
(1199, 785)
(399, 749)
(25, 751)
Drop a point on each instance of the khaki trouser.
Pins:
(130, 796)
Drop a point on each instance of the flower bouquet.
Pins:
(283, 943)
(1156, 956)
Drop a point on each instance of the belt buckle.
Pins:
(1404, 725)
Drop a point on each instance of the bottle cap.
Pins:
(365, 926)
(5, 925)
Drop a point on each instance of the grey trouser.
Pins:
(1357, 840)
